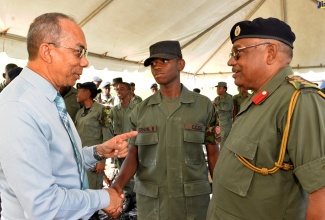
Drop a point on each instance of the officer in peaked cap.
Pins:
(167, 156)
(106, 98)
(106, 84)
(272, 163)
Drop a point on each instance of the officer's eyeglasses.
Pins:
(81, 52)
(235, 54)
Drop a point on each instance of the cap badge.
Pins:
(237, 31)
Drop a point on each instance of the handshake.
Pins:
(115, 147)
(116, 202)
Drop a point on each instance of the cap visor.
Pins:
(161, 56)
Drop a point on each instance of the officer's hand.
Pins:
(117, 146)
(116, 202)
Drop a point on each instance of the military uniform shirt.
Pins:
(224, 106)
(71, 104)
(137, 99)
(172, 175)
(120, 118)
(240, 193)
(94, 128)
(238, 100)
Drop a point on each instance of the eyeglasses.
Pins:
(81, 52)
(235, 53)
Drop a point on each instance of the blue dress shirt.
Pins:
(39, 177)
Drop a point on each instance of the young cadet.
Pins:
(172, 174)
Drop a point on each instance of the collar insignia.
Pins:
(259, 98)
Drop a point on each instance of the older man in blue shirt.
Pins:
(39, 175)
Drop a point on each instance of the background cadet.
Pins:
(115, 83)
(196, 90)
(69, 94)
(94, 127)
(238, 100)
(121, 123)
(5, 75)
(154, 88)
(134, 98)
(106, 97)
(13, 73)
(224, 105)
(97, 82)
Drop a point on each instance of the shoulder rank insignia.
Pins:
(260, 97)
(300, 83)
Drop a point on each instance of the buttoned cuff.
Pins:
(311, 175)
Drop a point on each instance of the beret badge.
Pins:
(237, 31)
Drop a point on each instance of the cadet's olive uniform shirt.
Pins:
(240, 193)
(137, 99)
(71, 104)
(238, 100)
(120, 118)
(121, 124)
(224, 106)
(93, 130)
(172, 175)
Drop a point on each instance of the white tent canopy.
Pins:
(119, 33)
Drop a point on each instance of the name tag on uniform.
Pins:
(194, 127)
(147, 129)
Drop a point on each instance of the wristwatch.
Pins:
(97, 156)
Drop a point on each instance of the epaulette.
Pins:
(300, 83)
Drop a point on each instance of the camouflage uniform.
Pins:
(239, 192)
(93, 129)
(224, 106)
(172, 175)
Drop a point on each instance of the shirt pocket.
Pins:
(193, 147)
(230, 172)
(197, 188)
(146, 188)
(92, 129)
(147, 148)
